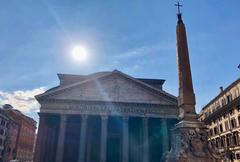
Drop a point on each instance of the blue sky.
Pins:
(136, 37)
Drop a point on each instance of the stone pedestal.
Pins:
(190, 144)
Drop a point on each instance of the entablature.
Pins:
(109, 108)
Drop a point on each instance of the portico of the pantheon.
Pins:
(105, 117)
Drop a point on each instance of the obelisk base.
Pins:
(190, 144)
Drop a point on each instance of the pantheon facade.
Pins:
(105, 117)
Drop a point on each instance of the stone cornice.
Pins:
(222, 93)
(108, 108)
(220, 111)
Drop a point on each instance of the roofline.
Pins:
(222, 110)
(67, 86)
(23, 116)
(60, 74)
(220, 94)
(80, 75)
(107, 74)
(147, 85)
(152, 80)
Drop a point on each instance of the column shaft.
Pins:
(47, 142)
(103, 149)
(125, 140)
(145, 140)
(61, 138)
(83, 133)
(51, 152)
(164, 130)
(40, 138)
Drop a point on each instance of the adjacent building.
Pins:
(8, 136)
(4, 124)
(222, 116)
(21, 135)
(11, 143)
(105, 117)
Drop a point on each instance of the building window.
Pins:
(224, 115)
(235, 139)
(207, 113)
(3, 123)
(228, 140)
(238, 120)
(215, 130)
(214, 121)
(223, 141)
(226, 125)
(1, 132)
(237, 92)
(213, 143)
(238, 156)
(221, 128)
(229, 98)
(233, 123)
(211, 132)
(223, 102)
(219, 119)
(218, 142)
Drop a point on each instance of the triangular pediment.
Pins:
(113, 87)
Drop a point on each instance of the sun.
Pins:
(79, 53)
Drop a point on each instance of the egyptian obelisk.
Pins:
(189, 136)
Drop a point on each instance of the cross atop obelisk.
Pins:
(178, 6)
(179, 14)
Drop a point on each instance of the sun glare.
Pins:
(79, 53)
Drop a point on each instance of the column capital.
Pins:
(163, 119)
(84, 117)
(63, 117)
(145, 119)
(104, 117)
(125, 118)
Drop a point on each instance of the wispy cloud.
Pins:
(144, 50)
(22, 100)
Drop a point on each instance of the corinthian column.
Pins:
(39, 151)
(164, 131)
(125, 140)
(61, 138)
(103, 149)
(82, 144)
(145, 140)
